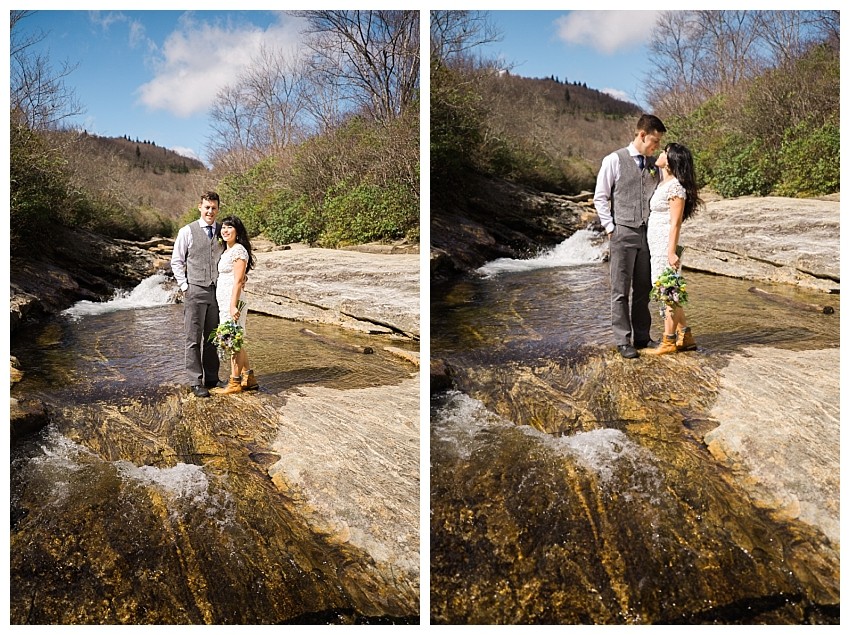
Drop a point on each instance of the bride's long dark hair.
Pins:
(241, 237)
(681, 164)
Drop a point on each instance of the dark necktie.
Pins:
(209, 231)
(640, 161)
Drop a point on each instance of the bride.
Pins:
(675, 200)
(233, 267)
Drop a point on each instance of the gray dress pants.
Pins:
(630, 275)
(200, 318)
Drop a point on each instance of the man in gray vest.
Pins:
(624, 186)
(194, 262)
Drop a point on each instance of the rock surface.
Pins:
(745, 431)
(322, 463)
(786, 450)
(367, 292)
(494, 218)
(79, 265)
(775, 239)
(788, 240)
(714, 482)
(353, 490)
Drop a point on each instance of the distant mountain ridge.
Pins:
(144, 154)
(571, 125)
(139, 187)
(578, 95)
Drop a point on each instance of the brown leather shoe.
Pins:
(684, 340)
(668, 345)
(233, 386)
(249, 382)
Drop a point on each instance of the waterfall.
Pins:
(157, 290)
(581, 248)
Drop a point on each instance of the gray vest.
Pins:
(632, 191)
(202, 259)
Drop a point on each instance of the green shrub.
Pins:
(778, 133)
(38, 187)
(292, 219)
(249, 195)
(368, 213)
(457, 123)
(809, 160)
(742, 168)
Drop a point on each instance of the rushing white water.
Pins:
(606, 451)
(457, 422)
(64, 469)
(155, 291)
(617, 462)
(184, 480)
(581, 248)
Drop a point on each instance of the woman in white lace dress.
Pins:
(233, 266)
(674, 201)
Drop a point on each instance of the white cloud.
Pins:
(200, 58)
(616, 93)
(105, 19)
(138, 37)
(185, 152)
(136, 30)
(607, 31)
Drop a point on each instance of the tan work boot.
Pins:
(668, 345)
(233, 386)
(684, 340)
(249, 382)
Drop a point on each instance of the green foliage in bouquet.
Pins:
(670, 289)
(229, 338)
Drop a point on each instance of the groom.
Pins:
(624, 186)
(194, 262)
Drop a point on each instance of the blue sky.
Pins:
(604, 49)
(153, 75)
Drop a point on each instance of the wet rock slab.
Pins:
(701, 487)
(786, 449)
(310, 487)
(637, 505)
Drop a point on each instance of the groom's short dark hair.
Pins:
(210, 196)
(650, 124)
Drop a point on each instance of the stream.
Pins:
(570, 486)
(139, 504)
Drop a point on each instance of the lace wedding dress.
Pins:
(224, 286)
(658, 225)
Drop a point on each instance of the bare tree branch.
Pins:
(39, 96)
(454, 34)
(371, 56)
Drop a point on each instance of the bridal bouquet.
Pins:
(229, 337)
(670, 289)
